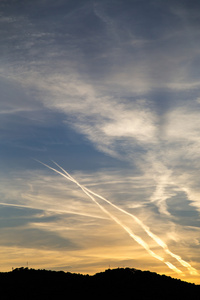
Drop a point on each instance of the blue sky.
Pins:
(110, 91)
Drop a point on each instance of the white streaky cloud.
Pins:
(53, 210)
(135, 99)
(112, 125)
(183, 124)
(160, 196)
(13, 111)
(108, 21)
(171, 266)
(182, 133)
(184, 85)
(138, 239)
(138, 73)
(46, 195)
(109, 118)
(154, 166)
(109, 124)
(162, 177)
(120, 127)
(192, 270)
(185, 264)
(192, 192)
(137, 123)
(48, 202)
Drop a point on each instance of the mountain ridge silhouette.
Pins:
(125, 283)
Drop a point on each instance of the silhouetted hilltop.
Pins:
(126, 283)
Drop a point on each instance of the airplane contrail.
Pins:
(138, 239)
(162, 244)
(62, 211)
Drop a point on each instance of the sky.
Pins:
(107, 92)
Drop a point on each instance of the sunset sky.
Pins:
(110, 91)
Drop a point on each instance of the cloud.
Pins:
(128, 85)
(62, 213)
(183, 124)
(119, 128)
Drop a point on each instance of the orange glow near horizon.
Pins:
(84, 262)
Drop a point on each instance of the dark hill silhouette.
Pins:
(24, 283)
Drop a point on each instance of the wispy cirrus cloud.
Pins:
(125, 78)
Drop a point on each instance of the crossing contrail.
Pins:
(162, 244)
(138, 239)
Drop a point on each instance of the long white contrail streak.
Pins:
(138, 239)
(162, 244)
(61, 211)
